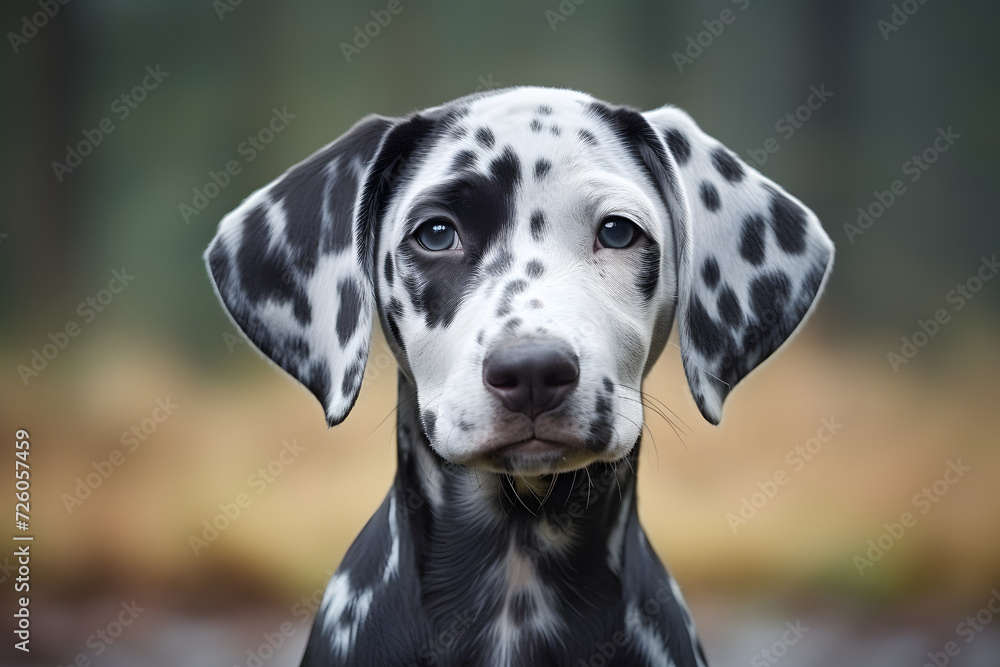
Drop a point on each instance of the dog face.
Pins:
(526, 251)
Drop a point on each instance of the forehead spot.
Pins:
(542, 167)
(537, 225)
(534, 268)
(535, 304)
(544, 110)
(535, 125)
(485, 137)
(512, 324)
(506, 168)
(499, 264)
(555, 130)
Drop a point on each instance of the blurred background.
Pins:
(147, 410)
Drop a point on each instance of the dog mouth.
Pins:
(534, 455)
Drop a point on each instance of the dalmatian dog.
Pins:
(526, 251)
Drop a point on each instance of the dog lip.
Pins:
(533, 446)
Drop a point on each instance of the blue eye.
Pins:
(617, 232)
(437, 234)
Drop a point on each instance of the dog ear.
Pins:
(292, 266)
(751, 259)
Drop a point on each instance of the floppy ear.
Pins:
(291, 265)
(751, 260)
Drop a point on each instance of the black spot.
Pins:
(318, 381)
(769, 302)
(679, 146)
(535, 125)
(752, 240)
(412, 287)
(588, 137)
(542, 167)
(710, 196)
(392, 317)
(727, 165)
(499, 264)
(554, 129)
(544, 110)
(352, 378)
(649, 273)
(537, 225)
(458, 132)
(609, 386)
(350, 308)
(789, 223)
(510, 290)
(710, 272)
(769, 296)
(729, 307)
(388, 268)
(480, 336)
(601, 429)
(463, 160)
(485, 137)
(429, 419)
(506, 168)
(265, 272)
(465, 426)
(303, 194)
(512, 324)
(704, 332)
(534, 268)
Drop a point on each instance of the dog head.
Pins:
(526, 251)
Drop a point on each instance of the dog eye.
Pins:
(437, 234)
(617, 232)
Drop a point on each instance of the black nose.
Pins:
(531, 376)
